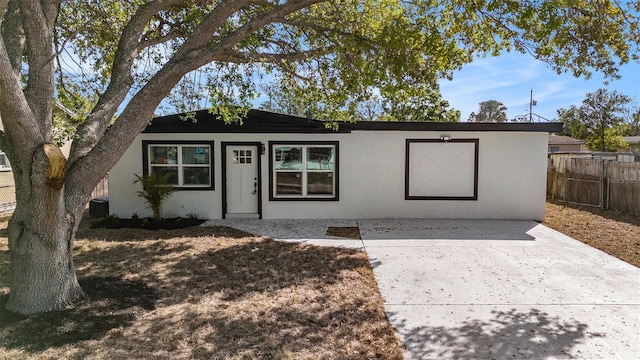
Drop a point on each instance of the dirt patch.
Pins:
(612, 232)
(350, 232)
(204, 293)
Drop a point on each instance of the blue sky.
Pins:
(510, 78)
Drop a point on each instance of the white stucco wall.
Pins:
(511, 178)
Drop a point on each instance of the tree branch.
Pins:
(20, 126)
(37, 22)
(245, 57)
(12, 33)
(315, 27)
(277, 15)
(98, 149)
(171, 35)
(96, 123)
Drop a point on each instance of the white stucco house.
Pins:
(280, 166)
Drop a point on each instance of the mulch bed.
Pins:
(349, 232)
(146, 223)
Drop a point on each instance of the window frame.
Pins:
(146, 165)
(4, 165)
(407, 170)
(304, 196)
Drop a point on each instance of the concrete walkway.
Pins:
(471, 289)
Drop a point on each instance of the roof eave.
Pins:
(259, 121)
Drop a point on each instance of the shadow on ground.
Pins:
(244, 268)
(507, 335)
(124, 234)
(110, 303)
(243, 299)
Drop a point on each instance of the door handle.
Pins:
(255, 186)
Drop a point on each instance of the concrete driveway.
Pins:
(489, 289)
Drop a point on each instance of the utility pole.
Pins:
(531, 107)
(531, 104)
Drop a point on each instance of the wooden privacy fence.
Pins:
(623, 187)
(8, 191)
(595, 182)
(102, 189)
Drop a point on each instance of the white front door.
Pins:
(242, 180)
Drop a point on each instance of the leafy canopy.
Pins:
(601, 120)
(346, 56)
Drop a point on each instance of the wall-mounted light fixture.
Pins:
(262, 149)
(445, 138)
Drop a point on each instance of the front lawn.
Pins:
(206, 293)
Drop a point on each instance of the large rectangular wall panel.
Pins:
(441, 170)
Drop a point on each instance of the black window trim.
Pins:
(407, 196)
(145, 159)
(336, 171)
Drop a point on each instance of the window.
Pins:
(4, 163)
(189, 164)
(242, 156)
(554, 148)
(304, 170)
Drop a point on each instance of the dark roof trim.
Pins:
(454, 126)
(258, 121)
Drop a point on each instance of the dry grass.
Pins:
(612, 232)
(207, 293)
(220, 293)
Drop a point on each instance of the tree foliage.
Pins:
(602, 119)
(125, 57)
(418, 103)
(490, 111)
(633, 128)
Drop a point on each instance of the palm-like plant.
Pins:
(155, 190)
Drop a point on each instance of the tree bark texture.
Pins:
(41, 235)
(42, 272)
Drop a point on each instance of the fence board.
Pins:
(593, 181)
(8, 191)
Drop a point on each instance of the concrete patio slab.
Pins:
(468, 289)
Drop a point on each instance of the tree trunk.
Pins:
(41, 235)
(42, 272)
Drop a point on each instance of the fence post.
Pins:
(601, 187)
(608, 193)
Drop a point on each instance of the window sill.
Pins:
(279, 198)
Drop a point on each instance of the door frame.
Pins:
(223, 153)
